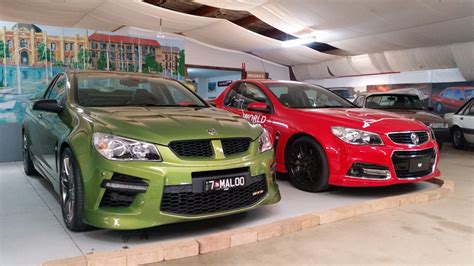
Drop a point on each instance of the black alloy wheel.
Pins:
(71, 193)
(307, 165)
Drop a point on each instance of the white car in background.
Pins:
(461, 125)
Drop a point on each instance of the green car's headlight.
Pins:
(123, 149)
(356, 137)
(264, 142)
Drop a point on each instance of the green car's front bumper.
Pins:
(173, 173)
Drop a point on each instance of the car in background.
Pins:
(452, 98)
(345, 92)
(461, 125)
(407, 105)
(425, 99)
(130, 151)
(322, 139)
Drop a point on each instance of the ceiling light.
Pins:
(296, 42)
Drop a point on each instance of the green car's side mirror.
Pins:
(51, 106)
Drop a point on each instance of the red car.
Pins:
(322, 139)
(452, 98)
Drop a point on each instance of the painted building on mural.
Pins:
(95, 51)
(27, 41)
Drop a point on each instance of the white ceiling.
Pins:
(359, 26)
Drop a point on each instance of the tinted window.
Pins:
(243, 94)
(469, 93)
(394, 102)
(301, 95)
(343, 93)
(448, 93)
(99, 89)
(359, 101)
(457, 95)
(58, 91)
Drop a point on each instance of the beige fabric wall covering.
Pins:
(438, 57)
(367, 26)
(463, 54)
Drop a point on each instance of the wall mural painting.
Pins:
(31, 55)
(443, 97)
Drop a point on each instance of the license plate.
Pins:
(419, 164)
(224, 183)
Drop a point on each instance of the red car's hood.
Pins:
(365, 119)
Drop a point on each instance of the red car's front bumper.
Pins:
(344, 158)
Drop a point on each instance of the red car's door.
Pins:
(249, 101)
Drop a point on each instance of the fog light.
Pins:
(369, 171)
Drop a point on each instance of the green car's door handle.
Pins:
(40, 116)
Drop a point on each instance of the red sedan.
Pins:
(321, 139)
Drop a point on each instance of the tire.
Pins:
(307, 165)
(28, 165)
(438, 108)
(459, 142)
(71, 192)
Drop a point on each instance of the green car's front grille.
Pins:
(204, 148)
(183, 201)
(235, 145)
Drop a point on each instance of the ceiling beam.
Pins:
(245, 21)
(277, 34)
(203, 10)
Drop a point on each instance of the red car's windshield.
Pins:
(300, 95)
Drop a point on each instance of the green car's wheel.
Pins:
(307, 165)
(28, 166)
(71, 193)
(459, 142)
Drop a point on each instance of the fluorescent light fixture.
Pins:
(296, 42)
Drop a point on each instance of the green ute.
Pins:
(129, 151)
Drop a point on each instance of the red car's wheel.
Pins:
(307, 165)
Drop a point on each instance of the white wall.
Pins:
(218, 90)
(198, 53)
(361, 82)
(202, 85)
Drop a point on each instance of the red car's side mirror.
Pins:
(258, 107)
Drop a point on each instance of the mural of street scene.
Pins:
(31, 55)
(443, 97)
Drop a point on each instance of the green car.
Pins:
(130, 151)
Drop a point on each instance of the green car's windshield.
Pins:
(300, 95)
(110, 89)
(394, 101)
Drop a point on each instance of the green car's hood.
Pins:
(162, 125)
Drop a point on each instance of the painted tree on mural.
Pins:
(42, 53)
(4, 51)
(151, 65)
(84, 57)
(102, 62)
(181, 64)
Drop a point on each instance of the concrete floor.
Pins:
(438, 232)
(30, 218)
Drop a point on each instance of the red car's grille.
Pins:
(406, 137)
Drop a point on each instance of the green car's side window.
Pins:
(58, 91)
